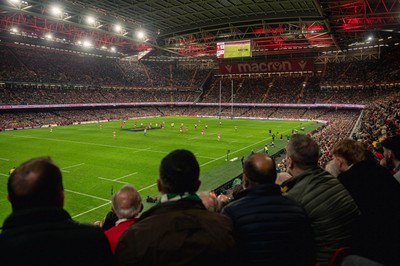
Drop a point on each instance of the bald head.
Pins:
(36, 183)
(127, 202)
(259, 169)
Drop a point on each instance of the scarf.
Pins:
(190, 196)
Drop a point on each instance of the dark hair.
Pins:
(350, 150)
(258, 169)
(179, 172)
(304, 151)
(393, 144)
(35, 183)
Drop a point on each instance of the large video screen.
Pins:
(234, 49)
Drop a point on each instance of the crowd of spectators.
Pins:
(30, 64)
(32, 94)
(381, 119)
(345, 82)
(66, 117)
(340, 125)
(359, 72)
(23, 95)
(287, 89)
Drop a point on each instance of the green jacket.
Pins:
(330, 208)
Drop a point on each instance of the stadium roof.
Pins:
(190, 27)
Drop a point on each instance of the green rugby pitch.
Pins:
(94, 164)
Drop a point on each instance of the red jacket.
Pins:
(115, 232)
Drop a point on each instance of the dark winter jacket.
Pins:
(49, 236)
(271, 229)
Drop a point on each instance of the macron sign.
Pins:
(267, 66)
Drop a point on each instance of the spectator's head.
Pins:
(209, 201)
(302, 153)
(391, 150)
(258, 169)
(348, 152)
(282, 177)
(179, 172)
(36, 183)
(127, 202)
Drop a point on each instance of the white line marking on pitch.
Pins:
(4, 175)
(95, 208)
(107, 179)
(4, 159)
(76, 165)
(206, 157)
(147, 187)
(87, 195)
(124, 176)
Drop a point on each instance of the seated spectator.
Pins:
(39, 231)
(271, 229)
(377, 232)
(127, 204)
(178, 230)
(329, 206)
(391, 153)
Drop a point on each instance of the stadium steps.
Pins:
(269, 86)
(300, 96)
(21, 62)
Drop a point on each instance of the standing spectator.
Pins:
(271, 229)
(127, 204)
(329, 206)
(178, 230)
(39, 231)
(391, 153)
(377, 232)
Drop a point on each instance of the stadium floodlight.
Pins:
(79, 42)
(14, 29)
(370, 38)
(113, 49)
(56, 11)
(103, 47)
(140, 35)
(87, 44)
(118, 28)
(15, 2)
(49, 36)
(91, 20)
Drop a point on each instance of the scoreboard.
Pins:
(234, 49)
